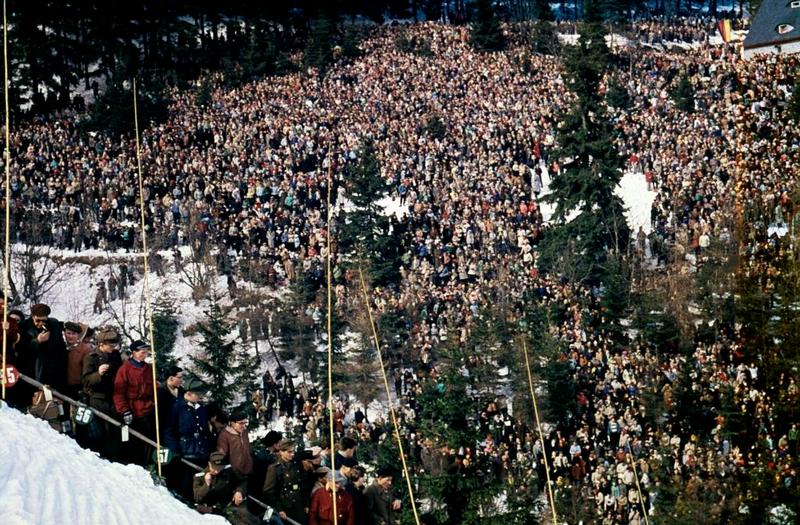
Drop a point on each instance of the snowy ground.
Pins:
(46, 478)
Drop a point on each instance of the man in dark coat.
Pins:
(188, 436)
(380, 503)
(99, 371)
(282, 486)
(218, 490)
(42, 344)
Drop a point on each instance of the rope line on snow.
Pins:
(6, 241)
(388, 395)
(148, 302)
(541, 435)
(330, 339)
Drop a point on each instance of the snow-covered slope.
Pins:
(46, 478)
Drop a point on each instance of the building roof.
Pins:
(772, 15)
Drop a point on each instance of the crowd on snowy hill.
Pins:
(249, 172)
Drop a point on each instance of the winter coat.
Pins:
(75, 357)
(283, 489)
(133, 389)
(236, 448)
(321, 510)
(379, 504)
(46, 362)
(187, 433)
(100, 388)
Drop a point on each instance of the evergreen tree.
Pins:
(683, 94)
(544, 39)
(217, 360)
(112, 113)
(793, 109)
(448, 414)
(296, 327)
(165, 333)
(486, 34)
(617, 95)
(365, 230)
(543, 11)
(319, 48)
(591, 169)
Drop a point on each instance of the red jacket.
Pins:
(133, 389)
(321, 510)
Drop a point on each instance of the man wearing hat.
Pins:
(380, 503)
(100, 368)
(283, 486)
(187, 435)
(321, 509)
(42, 341)
(77, 349)
(218, 490)
(134, 400)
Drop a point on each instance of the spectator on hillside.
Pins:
(42, 341)
(99, 371)
(219, 490)
(234, 442)
(134, 400)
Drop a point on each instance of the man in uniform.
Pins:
(218, 490)
(283, 486)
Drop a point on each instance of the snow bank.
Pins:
(46, 478)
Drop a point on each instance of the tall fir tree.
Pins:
(217, 360)
(165, 333)
(591, 169)
(364, 231)
(486, 33)
(319, 47)
(683, 94)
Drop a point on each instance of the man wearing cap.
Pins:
(234, 442)
(134, 400)
(77, 349)
(218, 490)
(321, 510)
(99, 371)
(169, 392)
(188, 435)
(381, 505)
(41, 339)
(283, 485)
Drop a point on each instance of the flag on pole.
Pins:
(724, 27)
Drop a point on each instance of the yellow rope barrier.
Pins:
(148, 302)
(638, 489)
(541, 435)
(388, 396)
(330, 342)
(7, 243)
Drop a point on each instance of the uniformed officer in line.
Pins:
(283, 486)
(218, 490)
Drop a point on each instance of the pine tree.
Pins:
(683, 94)
(217, 359)
(617, 95)
(793, 109)
(544, 38)
(591, 169)
(543, 11)
(165, 333)
(319, 48)
(364, 232)
(448, 416)
(486, 34)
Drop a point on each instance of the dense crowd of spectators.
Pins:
(249, 172)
